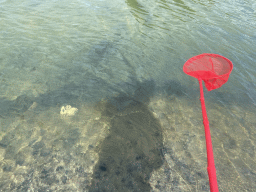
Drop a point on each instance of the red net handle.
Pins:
(210, 158)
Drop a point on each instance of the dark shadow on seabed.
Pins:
(132, 149)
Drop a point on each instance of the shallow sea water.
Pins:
(93, 96)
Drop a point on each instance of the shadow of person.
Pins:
(132, 149)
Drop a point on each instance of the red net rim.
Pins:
(212, 55)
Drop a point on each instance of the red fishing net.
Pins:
(213, 69)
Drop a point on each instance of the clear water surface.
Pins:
(93, 96)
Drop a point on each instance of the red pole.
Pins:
(210, 158)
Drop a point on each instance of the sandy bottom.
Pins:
(124, 145)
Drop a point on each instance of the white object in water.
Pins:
(68, 110)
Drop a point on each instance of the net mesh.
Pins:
(213, 69)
